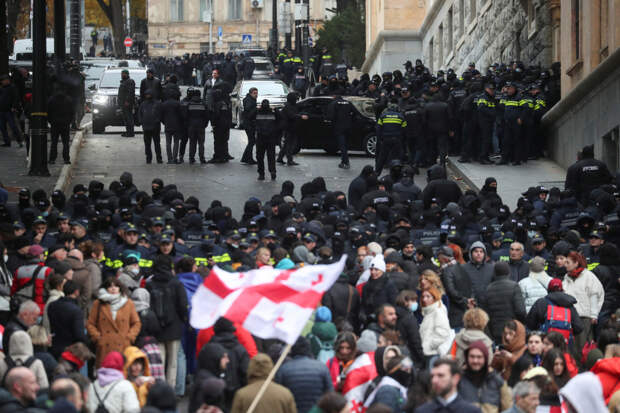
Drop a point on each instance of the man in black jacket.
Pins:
(290, 115)
(341, 113)
(149, 114)
(9, 102)
(267, 135)
(249, 124)
(126, 100)
(197, 118)
(586, 174)
(171, 117)
(59, 115)
(440, 187)
(150, 82)
(359, 186)
(343, 300)
(66, 319)
(437, 121)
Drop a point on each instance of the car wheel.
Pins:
(98, 126)
(369, 145)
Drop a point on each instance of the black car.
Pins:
(317, 131)
(106, 111)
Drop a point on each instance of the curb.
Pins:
(64, 179)
(456, 168)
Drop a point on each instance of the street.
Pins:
(105, 157)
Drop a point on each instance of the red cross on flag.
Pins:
(269, 303)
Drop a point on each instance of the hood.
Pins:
(209, 358)
(467, 336)
(132, 354)
(291, 98)
(518, 341)
(477, 244)
(126, 179)
(259, 367)
(610, 366)
(20, 346)
(436, 172)
(585, 394)
(194, 222)
(141, 299)
(561, 299)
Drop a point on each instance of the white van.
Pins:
(22, 49)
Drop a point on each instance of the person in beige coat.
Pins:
(277, 398)
(20, 351)
(81, 276)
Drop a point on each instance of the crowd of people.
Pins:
(449, 301)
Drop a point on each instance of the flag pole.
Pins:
(269, 378)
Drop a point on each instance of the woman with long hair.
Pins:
(435, 328)
(555, 364)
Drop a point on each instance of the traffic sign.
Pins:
(219, 31)
(309, 41)
(246, 38)
(128, 42)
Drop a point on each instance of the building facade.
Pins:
(177, 27)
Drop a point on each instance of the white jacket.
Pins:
(435, 328)
(587, 290)
(122, 398)
(534, 287)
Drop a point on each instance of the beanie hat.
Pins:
(537, 265)
(367, 341)
(378, 263)
(479, 344)
(323, 314)
(223, 325)
(114, 360)
(447, 251)
(555, 285)
(502, 268)
(35, 250)
(375, 248)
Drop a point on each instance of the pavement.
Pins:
(105, 157)
(511, 180)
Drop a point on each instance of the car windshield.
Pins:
(265, 88)
(255, 53)
(263, 66)
(113, 79)
(94, 72)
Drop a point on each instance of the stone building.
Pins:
(453, 33)
(177, 27)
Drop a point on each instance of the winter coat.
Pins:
(60, 110)
(8, 98)
(121, 398)
(239, 358)
(176, 302)
(82, 277)
(608, 372)
(127, 92)
(66, 324)
(171, 115)
(267, 125)
(21, 350)
(537, 316)
(150, 114)
(153, 85)
(111, 334)
(9, 404)
(503, 302)
(516, 347)
(378, 292)
(94, 270)
(492, 396)
(459, 405)
(276, 399)
(14, 325)
(131, 354)
(307, 379)
(409, 329)
(441, 188)
(337, 299)
(435, 328)
(518, 269)
(467, 336)
(249, 112)
(588, 291)
(534, 287)
(458, 288)
(53, 296)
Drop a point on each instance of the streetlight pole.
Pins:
(297, 27)
(210, 26)
(59, 30)
(306, 34)
(75, 29)
(287, 21)
(38, 131)
(274, 27)
(4, 41)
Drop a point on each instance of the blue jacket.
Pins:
(307, 379)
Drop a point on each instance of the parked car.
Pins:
(263, 68)
(317, 131)
(106, 111)
(273, 90)
(254, 52)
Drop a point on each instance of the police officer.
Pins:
(59, 114)
(511, 107)
(413, 111)
(247, 66)
(391, 128)
(470, 142)
(267, 135)
(437, 121)
(342, 115)
(300, 82)
(197, 119)
(217, 101)
(290, 115)
(289, 66)
(249, 124)
(126, 99)
(172, 118)
(486, 110)
(455, 100)
(586, 174)
(149, 114)
(326, 65)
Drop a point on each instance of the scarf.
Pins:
(71, 358)
(116, 301)
(576, 272)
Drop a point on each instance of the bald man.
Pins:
(68, 390)
(22, 385)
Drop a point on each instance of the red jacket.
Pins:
(243, 335)
(28, 290)
(608, 372)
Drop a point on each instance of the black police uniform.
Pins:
(390, 133)
(249, 124)
(267, 135)
(342, 115)
(126, 99)
(197, 119)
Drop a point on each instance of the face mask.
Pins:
(414, 307)
(134, 271)
(6, 258)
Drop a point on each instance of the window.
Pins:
(440, 46)
(204, 10)
(531, 17)
(234, 9)
(450, 41)
(472, 10)
(576, 29)
(431, 54)
(604, 35)
(176, 10)
(462, 17)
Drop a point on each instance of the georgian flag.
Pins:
(269, 303)
(359, 375)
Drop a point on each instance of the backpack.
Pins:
(11, 364)
(326, 349)
(160, 304)
(558, 319)
(101, 406)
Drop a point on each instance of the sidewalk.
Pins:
(511, 180)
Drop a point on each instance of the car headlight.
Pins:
(100, 99)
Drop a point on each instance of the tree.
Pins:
(344, 35)
(113, 10)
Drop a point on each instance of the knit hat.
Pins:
(479, 344)
(323, 314)
(114, 360)
(447, 251)
(285, 264)
(223, 325)
(502, 268)
(378, 263)
(375, 248)
(555, 285)
(537, 265)
(162, 396)
(367, 341)
(35, 250)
